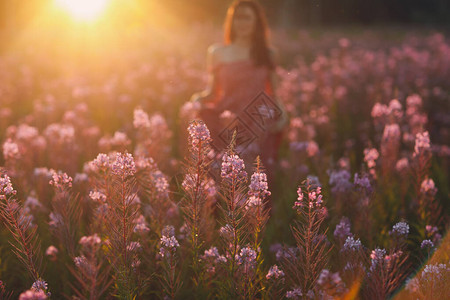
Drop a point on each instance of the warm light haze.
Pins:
(83, 9)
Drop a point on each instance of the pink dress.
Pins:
(243, 100)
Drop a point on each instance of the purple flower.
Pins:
(351, 245)
(314, 198)
(10, 150)
(435, 272)
(233, 167)
(226, 232)
(51, 251)
(124, 165)
(213, 254)
(401, 164)
(294, 294)
(198, 133)
(6, 187)
(140, 119)
(428, 187)
(426, 244)
(288, 253)
(97, 196)
(253, 202)
(379, 110)
(274, 273)
(100, 163)
(258, 185)
(370, 156)
(39, 285)
(362, 181)
(90, 242)
(247, 257)
(422, 143)
(168, 242)
(134, 246)
(299, 203)
(141, 225)
(161, 183)
(83, 264)
(400, 229)
(340, 181)
(61, 181)
(377, 257)
(342, 230)
(391, 132)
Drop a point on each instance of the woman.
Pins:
(241, 84)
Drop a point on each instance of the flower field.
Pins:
(107, 188)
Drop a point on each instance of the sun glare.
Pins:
(83, 9)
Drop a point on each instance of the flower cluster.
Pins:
(435, 272)
(247, 258)
(227, 232)
(428, 187)
(141, 225)
(134, 246)
(91, 242)
(140, 119)
(101, 163)
(370, 156)
(233, 167)
(422, 143)
(340, 181)
(10, 150)
(294, 294)
(198, 133)
(314, 198)
(427, 244)
(97, 196)
(362, 181)
(331, 282)
(351, 245)
(274, 273)
(168, 242)
(6, 187)
(61, 180)
(82, 263)
(253, 202)
(342, 230)
(124, 165)
(377, 257)
(258, 185)
(400, 229)
(212, 259)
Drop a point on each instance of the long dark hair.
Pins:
(259, 50)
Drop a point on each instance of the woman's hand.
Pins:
(196, 98)
(281, 122)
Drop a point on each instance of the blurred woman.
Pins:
(241, 88)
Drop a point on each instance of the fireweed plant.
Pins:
(195, 204)
(130, 246)
(71, 198)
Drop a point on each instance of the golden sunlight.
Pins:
(83, 9)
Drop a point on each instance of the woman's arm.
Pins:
(211, 61)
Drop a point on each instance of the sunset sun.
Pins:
(83, 9)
